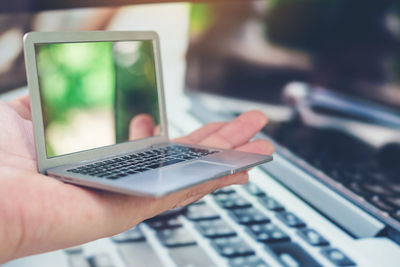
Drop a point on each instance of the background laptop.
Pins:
(313, 218)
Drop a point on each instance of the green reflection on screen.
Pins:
(91, 91)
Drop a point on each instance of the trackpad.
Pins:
(192, 173)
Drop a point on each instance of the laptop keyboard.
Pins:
(209, 228)
(359, 167)
(140, 162)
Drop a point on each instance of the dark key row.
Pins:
(141, 162)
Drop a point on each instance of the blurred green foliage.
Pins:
(88, 76)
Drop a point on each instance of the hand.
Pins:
(40, 213)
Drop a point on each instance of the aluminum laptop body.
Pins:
(65, 151)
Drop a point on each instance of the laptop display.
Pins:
(92, 88)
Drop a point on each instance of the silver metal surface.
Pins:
(169, 179)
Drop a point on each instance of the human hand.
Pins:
(40, 213)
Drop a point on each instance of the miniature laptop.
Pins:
(86, 89)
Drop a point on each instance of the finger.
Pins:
(238, 131)
(157, 130)
(202, 133)
(257, 146)
(22, 107)
(141, 126)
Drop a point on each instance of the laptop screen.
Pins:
(92, 92)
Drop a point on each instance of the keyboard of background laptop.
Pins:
(371, 174)
(208, 229)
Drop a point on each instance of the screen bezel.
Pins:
(33, 38)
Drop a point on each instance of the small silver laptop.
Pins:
(93, 97)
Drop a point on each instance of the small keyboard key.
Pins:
(247, 261)
(138, 254)
(232, 247)
(190, 256)
(312, 237)
(254, 190)
(291, 254)
(249, 216)
(164, 223)
(337, 257)
(290, 219)
(101, 260)
(267, 233)
(177, 237)
(200, 212)
(232, 201)
(78, 260)
(215, 229)
(132, 235)
(224, 190)
(271, 204)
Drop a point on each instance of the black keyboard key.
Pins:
(177, 237)
(199, 212)
(224, 190)
(378, 202)
(232, 247)
(165, 223)
(377, 189)
(101, 260)
(249, 216)
(78, 260)
(290, 219)
(267, 233)
(394, 201)
(396, 214)
(312, 237)
(215, 228)
(132, 235)
(337, 257)
(232, 201)
(291, 254)
(254, 190)
(271, 203)
(247, 261)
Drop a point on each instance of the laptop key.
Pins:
(291, 254)
(139, 254)
(201, 212)
(254, 190)
(337, 257)
(215, 228)
(190, 256)
(249, 216)
(290, 219)
(177, 237)
(247, 261)
(232, 247)
(271, 204)
(267, 233)
(312, 237)
(132, 235)
(101, 260)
